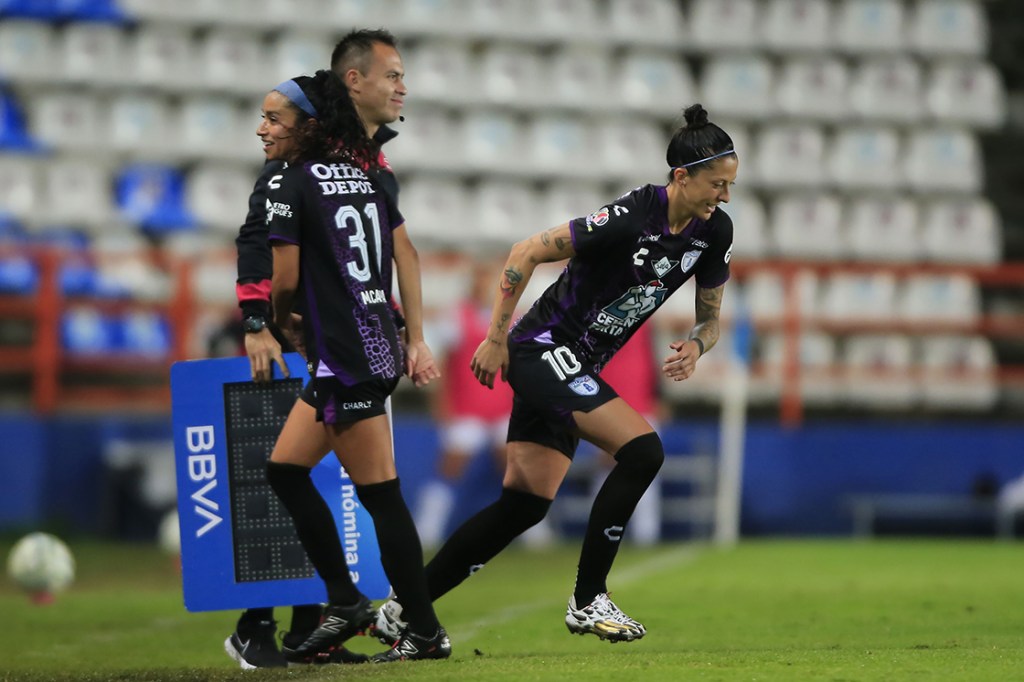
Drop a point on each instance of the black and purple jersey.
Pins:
(342, 220)
(627, 264)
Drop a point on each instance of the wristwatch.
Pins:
(254, 324)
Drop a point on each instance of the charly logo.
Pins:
(584, 385)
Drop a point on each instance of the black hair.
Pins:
(354, 50)
(698, 139)
(339, 133)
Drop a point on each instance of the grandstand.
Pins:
(879, 237)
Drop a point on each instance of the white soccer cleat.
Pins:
(604, 619)
(388, 625)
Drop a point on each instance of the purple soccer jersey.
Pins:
(342, 220)
(627, 264)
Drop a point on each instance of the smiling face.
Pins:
(277, 127)
(378, 94)
(701, 192)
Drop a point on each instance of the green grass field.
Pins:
(768, 610)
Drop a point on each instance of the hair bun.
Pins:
(696, 116)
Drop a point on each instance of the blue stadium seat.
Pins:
(60, 10)
(143, 334)
(18, 274)
(86, 331)
(153, 197)
(13, 134)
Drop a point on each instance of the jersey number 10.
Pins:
(563, 362)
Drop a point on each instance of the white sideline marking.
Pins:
(672, 557)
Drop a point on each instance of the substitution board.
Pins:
(238, 545)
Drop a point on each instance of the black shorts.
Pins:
(551, 383)
(337, 403)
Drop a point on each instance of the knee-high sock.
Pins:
(638, 462)
(481, 537)
(400, 552)
(315, 527)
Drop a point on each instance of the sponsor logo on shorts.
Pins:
(584, 385)
(357, 405)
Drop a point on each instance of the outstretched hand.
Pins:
(420, 365)
(263, 351)
(681, 364)
(489, 357)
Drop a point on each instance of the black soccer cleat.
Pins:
(336, 655)
(339, 624)
(412, 647)
(254, 647)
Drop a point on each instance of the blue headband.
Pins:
(710, 158)
(293, 92)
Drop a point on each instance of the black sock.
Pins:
(638, 462)
(480, 538)
(252, 618)
(305, 618)
(400, 552)
(315, 527)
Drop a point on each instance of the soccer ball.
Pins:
(167, 535)
(41, 563)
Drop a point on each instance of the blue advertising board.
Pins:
(238, 545)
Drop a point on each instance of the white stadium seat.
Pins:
(162, 56)
(584, 79)
(424, 141)
(952, 299)
(139, 124)
(866, 158)
(883, 229)
(871, 26)
(68, 120)
(962, 231)
(814, 88)
(807, 226)
(561, 202)
(509, 75)
(766, 295)
(740, 86)
(439, 70)
(859, 297)
(645, 78)
(563, 19)
(959, 372)
(214, 127)
(790, 155)
(888, 90)
(487, 18)
(723, 24)
(298, 53)
(750, 227)
(967, 93)
(234, 61)
(939, 27)
(878, 371)
(562, 145)
(631, 150)
(504, 212)
(27, 50)
(91, 53)
(217, 195)
(493, 142)
(646, 21)
(77, 192)
(797, 25)
(19, 187)
(819, 384)
(943, 160)
(436, 211)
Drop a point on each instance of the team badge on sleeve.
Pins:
(584, 385)
(690, 258)
(597, 218)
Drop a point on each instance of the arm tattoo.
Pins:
(545, 238)
(708, 306)
(512, 279)
(503, 322)
(560, 243)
